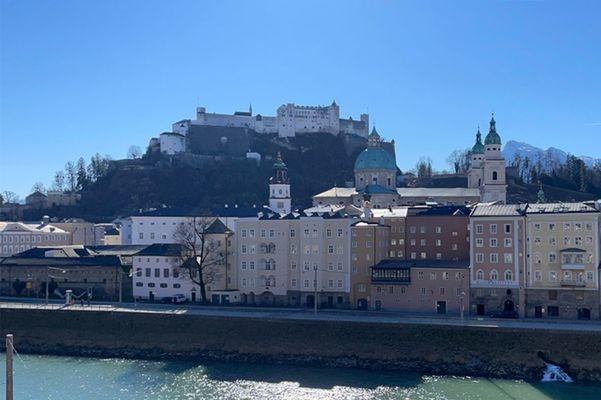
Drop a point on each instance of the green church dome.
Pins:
(478, 147)
(375, 158)
(492, 137)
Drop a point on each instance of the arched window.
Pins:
(494, 275)
(270, 281)
(508, 275)
(480, 275)
(271, 264)
(264, 248)
(271, 248)
(494, 175)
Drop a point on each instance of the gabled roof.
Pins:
(498, 210)
(217, 227)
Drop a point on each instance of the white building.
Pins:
(290, 119)
(157, 274)
(172, 143)
(16, 237)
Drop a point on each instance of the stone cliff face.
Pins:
(491, 352)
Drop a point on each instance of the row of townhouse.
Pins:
(536, 260)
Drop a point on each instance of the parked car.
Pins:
(179, 298)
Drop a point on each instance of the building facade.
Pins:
(498, 260)
(16, 237)
(563, 261)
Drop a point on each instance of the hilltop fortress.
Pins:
(290, 120)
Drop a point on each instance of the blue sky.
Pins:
(80, 77)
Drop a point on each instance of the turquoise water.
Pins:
(65, 378)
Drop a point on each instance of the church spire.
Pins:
(492, 137)
(478, 147)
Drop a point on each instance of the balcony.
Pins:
(391, 275)
(572, 283)
(572, 266)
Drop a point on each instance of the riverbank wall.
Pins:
(433, 349)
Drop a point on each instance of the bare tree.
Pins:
(10, 197)
(459, 160)
(58, 183)
(38, 187)
(201, 256)
(134, 152)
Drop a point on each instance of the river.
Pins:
(65, 378)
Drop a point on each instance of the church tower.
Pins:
(474, 175)
(279, 188)
(494, 187)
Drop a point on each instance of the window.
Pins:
(152, 235)
(508, 275)
(494, 275)
(328, 232)
(480, 275)
(244, 265)
(151, 284)
(479, 258)
(243, 233)
(494, 175)
(552, 241)
(306, 283)
(479, 242)
(293, 266)
(166, 272)
(552, 276)
(507, 242)
(493, 242)
(412, 229)
(567, 240)
(553, 311)
(442, 291)
(433, 276)
(552, 258)
(423, 255)
(139, 284)
(445, 276)
(588, 226)
(590, 276)
(551, 227)
(271, 233)
(292, 233)
(330, 266)
(423, 291)
(292, 249)
(163, 285)
(420, 275)
(251, 265)
(422, 242)
(537, 258)
(399, 253)
(438, 229)
(479, 228)
(293, 282)
(454, 247)
(454, 234)
(140, 236)
(494, 258)
(330, 249)
(439, 256)
(422, 229)
(537, 227)
(147, 272)
(507, 258)
(176, 274)
(306, 233)
(315, 233)
(438, 242)
(566, 226)
(577, 226)
(262, 233)
(413, 242)
(330, 283)
(507, 228)
(538, 276)
(537, 240)
(244, 249)
(493, 228)
(578, 241)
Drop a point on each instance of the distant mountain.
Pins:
(547, 159)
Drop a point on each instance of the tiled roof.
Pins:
(554, 208)
(498, 210)
(337, 192)
(162, 250)
(438, 192)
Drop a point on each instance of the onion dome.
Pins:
(478, 147)
(492, 137)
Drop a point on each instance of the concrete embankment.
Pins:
(440, 349)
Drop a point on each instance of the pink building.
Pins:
(497, 266)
